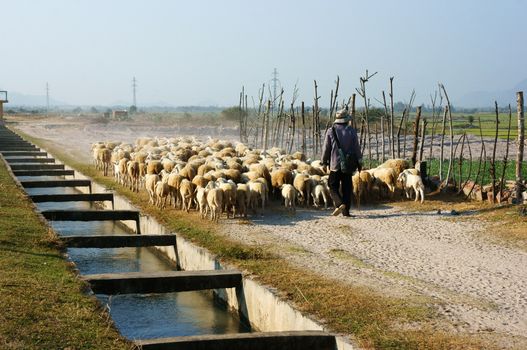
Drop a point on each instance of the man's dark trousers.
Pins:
(337, 181)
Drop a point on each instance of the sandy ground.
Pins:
(479, 285)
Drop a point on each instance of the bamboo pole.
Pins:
(441, 149)
(416, 135)
(506, 158)
(493, 162)
(460, 161)
(521, 140)
(392, 117)
(267, 114)
(383, 155)
(388, 119)
(451, 131)
(303, 128)
(353, 111)
(482, 155)
(260, 104)
(376, 142)
(399, 134)
(293, 128)
(423, 134)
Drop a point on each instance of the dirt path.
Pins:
(481, 286)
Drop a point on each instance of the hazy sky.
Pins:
(202, 52)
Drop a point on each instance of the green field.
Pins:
(461, 123)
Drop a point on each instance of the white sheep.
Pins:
(321, 192)
(215, 203)
(411, 181)
(162, 191)
(150, 185)
(289, 195)
(201, 198)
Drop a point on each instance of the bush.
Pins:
(233, 113)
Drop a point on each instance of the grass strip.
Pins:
(43, 304)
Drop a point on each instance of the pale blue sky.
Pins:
(202, 52)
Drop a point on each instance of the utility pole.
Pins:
(134, 86)
(47, 98)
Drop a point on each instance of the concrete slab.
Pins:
(118, 241)
(24, 154)
(56, 183)
(75, 197)
(44, 172)
(293, 340)
(36, 166)
(93, 215)
(163, 282)
(29, 160)
(7, 148)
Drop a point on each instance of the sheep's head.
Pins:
(402, 178)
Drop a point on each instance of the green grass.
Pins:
(485, 175)
(373, 320)
(43, 304)
(461, 123)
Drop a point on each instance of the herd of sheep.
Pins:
(217, 177)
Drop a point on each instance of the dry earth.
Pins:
(479, 284)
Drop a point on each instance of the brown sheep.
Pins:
(150, 185)
(229, 197)
(233, 174)
(398, 165)
(104, 159)
(215, 203)
(302, 183)
(242, 199)
(280, 177)
(154, 167)
(188, 172)
(174, 182)
(204, 168)
(162, 191)
(187, 191)
(258, 193)
(123, 172)
(200, 181)
(362, 186)
(133, 175)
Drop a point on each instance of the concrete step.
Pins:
(162, 282)
(37, 166)
(288, 340)
(118, 241)
(75, 197)
(24, 154)
(30, 160)
(56, 183)
(14, 148)
(93, 215)
(43, 172)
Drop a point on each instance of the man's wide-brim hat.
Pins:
(342, 116)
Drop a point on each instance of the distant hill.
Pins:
(18, 99)
(486, 98)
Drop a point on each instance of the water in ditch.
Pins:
(140, 316)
